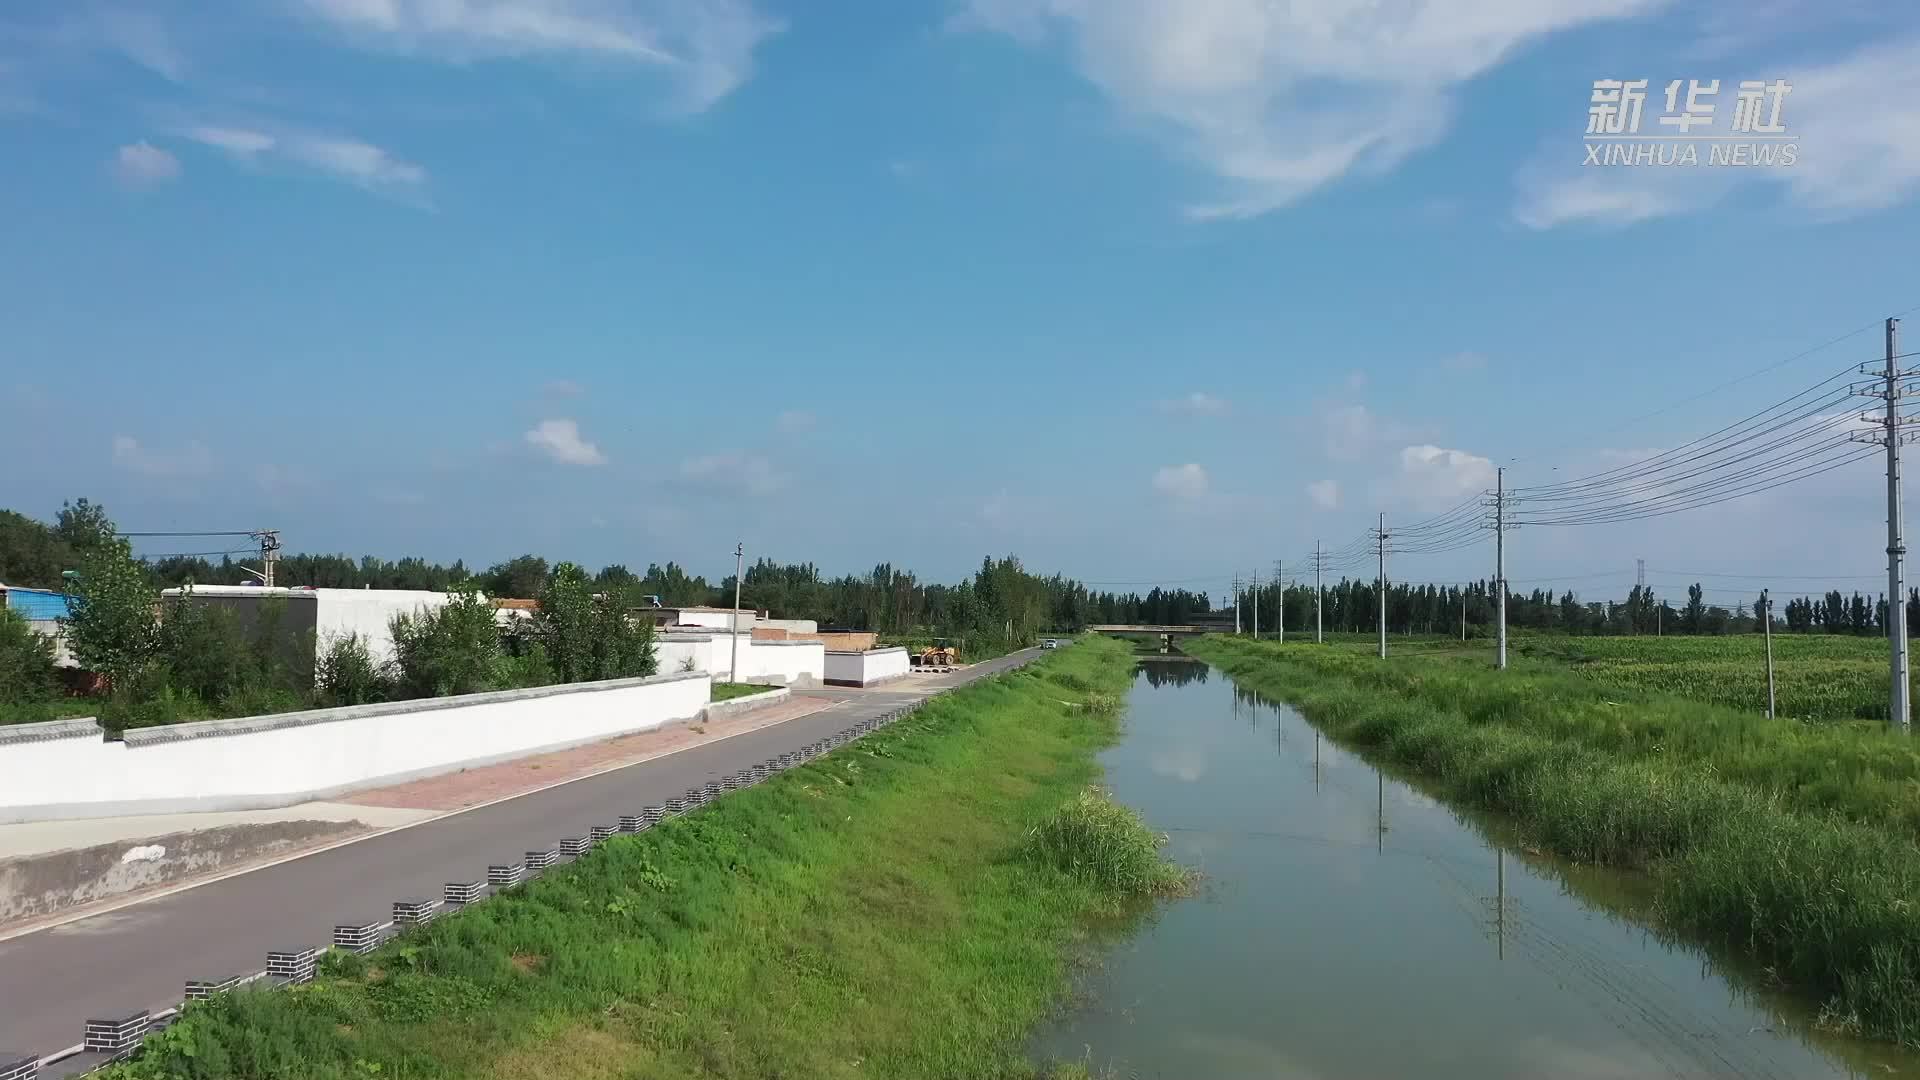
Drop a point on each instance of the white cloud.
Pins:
(1355, 381)
(1857, 123)
(240, 142)
(736, 471)
(193, 459)
(795, 422)
(1195, 404)
(1181, 481)
(1433, 477)
(339, 157)
(141, 164)
(1355, 432)
(560, 440)
(1324, 493)
(1278, 99)
(142, 38)
(354, 161)
(705, 46)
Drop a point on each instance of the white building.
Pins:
(329, 614)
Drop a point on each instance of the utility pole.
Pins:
(1256, 605)
(1280, 586)
(1500, 565)
(1766, 614)
(1463, 616)
(1380, 539)
(1319, 591)
(733, 672)
(1640, 581)
(269, 554)
(1891, 435)
(1236, 605)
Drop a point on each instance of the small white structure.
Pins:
(717, 618)
(331, 614)
(774, 663)
(867, 668)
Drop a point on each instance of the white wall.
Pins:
(792, 626)
(66, 770)
(866, 668)
(782, 663)
(368, 612)
(715, 618)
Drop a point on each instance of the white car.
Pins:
(1050, 643)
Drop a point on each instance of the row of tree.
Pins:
(1351, 605)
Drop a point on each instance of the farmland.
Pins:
(1816, 676)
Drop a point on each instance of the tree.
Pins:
(452, 649)
(1695, 613)
(564, 623)
(112, 626)
(83, 526)
(26, 661)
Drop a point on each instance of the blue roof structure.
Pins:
(37, 604)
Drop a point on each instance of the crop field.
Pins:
(1816, 676)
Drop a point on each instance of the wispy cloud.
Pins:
(338, 157)
(561, 442)
(1464, 363)
(1277, 100)
(705, 47)
(735, 471)
(143, 164)
(192, 459)
(1187, 481)
(562, 388)
(1324, 493)
(1195, 404)
(795, 422)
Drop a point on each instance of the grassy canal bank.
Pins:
(904, 907)
(1792, 842)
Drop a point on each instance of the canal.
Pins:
(1350, 926)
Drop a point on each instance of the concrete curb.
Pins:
(734, 706)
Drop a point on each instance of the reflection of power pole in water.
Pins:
(1499, 901)
(1316, 759)
(1380, 795)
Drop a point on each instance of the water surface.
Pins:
(1353, 927)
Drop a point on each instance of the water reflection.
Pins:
(1348, 932)
(1172, 671)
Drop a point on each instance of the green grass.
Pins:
(887, 911)
(727, 691)
(1792, 842)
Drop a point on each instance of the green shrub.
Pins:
(202, 648)
(26, 662)
(453, 649)
(1099, 841)
(346, 674)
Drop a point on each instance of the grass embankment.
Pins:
(727, 691)
(903, 907)
(1794, 842)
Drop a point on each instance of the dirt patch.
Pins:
(578, 1053)
(35, 886)
(527, 962)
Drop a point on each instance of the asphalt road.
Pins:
(54, 980)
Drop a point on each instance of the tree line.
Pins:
(1352, 605)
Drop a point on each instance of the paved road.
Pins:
(115, 963)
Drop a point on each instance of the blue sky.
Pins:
(1140, 291)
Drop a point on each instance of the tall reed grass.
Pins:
(1804, 877)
